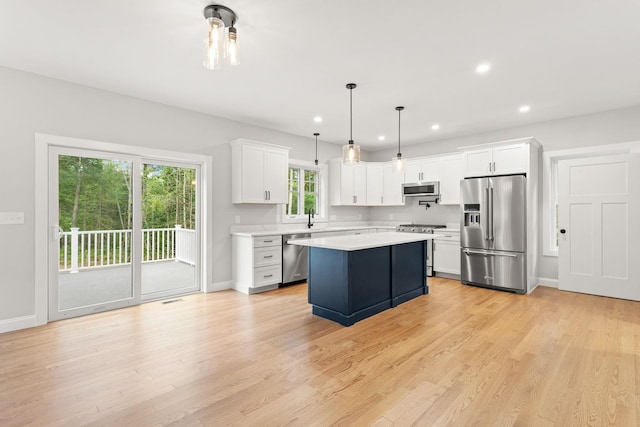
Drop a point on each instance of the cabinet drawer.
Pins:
(267, 241)
(267, 275)
(267, 255)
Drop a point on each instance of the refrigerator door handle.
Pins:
(491, 236)
(486, 198)
(485, 253)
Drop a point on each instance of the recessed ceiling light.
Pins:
(524, 108)
(435, 126)
(381, 138)
(317, 119)
(483, 68)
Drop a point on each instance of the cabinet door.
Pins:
(430, 170)
(450, 176)
(252, 175)
(477, 162)
(275, 177)
(446, 256)
(360, 184)
(375, 184)
(510, 159)
(413, 171)
(392, 186)
(346, 184)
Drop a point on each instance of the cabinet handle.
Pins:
(268, 275)
(494, 166)
(267, 241)
(265, 195)
(268, 256)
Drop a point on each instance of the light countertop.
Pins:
(364, 241)
(312, 230)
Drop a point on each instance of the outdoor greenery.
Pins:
(308, 191)
(96, 194)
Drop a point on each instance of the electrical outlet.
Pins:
(11, 218)
(237, 219)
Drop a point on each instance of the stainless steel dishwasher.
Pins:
(294, 259)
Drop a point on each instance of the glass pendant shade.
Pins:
(398, 163)
(221, 41)
(213, 43)
(231, 46)
(351, 153)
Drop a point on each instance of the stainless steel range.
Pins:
(422, 228)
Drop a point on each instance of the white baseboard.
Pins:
(220, 286)
(17, 323)
(550, 283)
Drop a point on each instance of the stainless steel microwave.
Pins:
(421, 189)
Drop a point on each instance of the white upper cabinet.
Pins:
(375, 184)
(422, 170)
(347, 183)
(392, 186)
(450, 176)
(496, 160)
(258, 172)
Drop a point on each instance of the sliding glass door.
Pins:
(123, 230)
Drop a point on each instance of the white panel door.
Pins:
(596, 204)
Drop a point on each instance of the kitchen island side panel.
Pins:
(328, 279)
(370, 275)
(409, 275)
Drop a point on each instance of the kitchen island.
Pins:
(353, 277)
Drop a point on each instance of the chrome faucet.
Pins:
(309, 223)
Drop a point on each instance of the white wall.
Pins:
(594, 129)
(31, 103)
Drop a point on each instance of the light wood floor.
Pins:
(459, 356)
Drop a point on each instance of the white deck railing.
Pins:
(103, 248)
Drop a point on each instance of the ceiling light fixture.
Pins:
(381, 138)
(351, 151)
(316, 135)
(222, 37)
(317, 119)
(525, 108)
(483, 68)
(435, 126)
(398, 161)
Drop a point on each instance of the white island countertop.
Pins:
(364, 241)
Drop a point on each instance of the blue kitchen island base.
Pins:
(348, 286)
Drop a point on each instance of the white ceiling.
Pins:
(561, 57)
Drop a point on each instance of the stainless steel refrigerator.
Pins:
(493, 232)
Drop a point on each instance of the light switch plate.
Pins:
(7, 218)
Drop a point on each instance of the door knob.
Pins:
(562, 231)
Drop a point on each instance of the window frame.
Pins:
(321, 193)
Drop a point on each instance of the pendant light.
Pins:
(351, 151)
(398, 161)
(316, 135)
(221, 41)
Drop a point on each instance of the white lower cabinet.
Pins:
(257, 262)
(446, 255)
